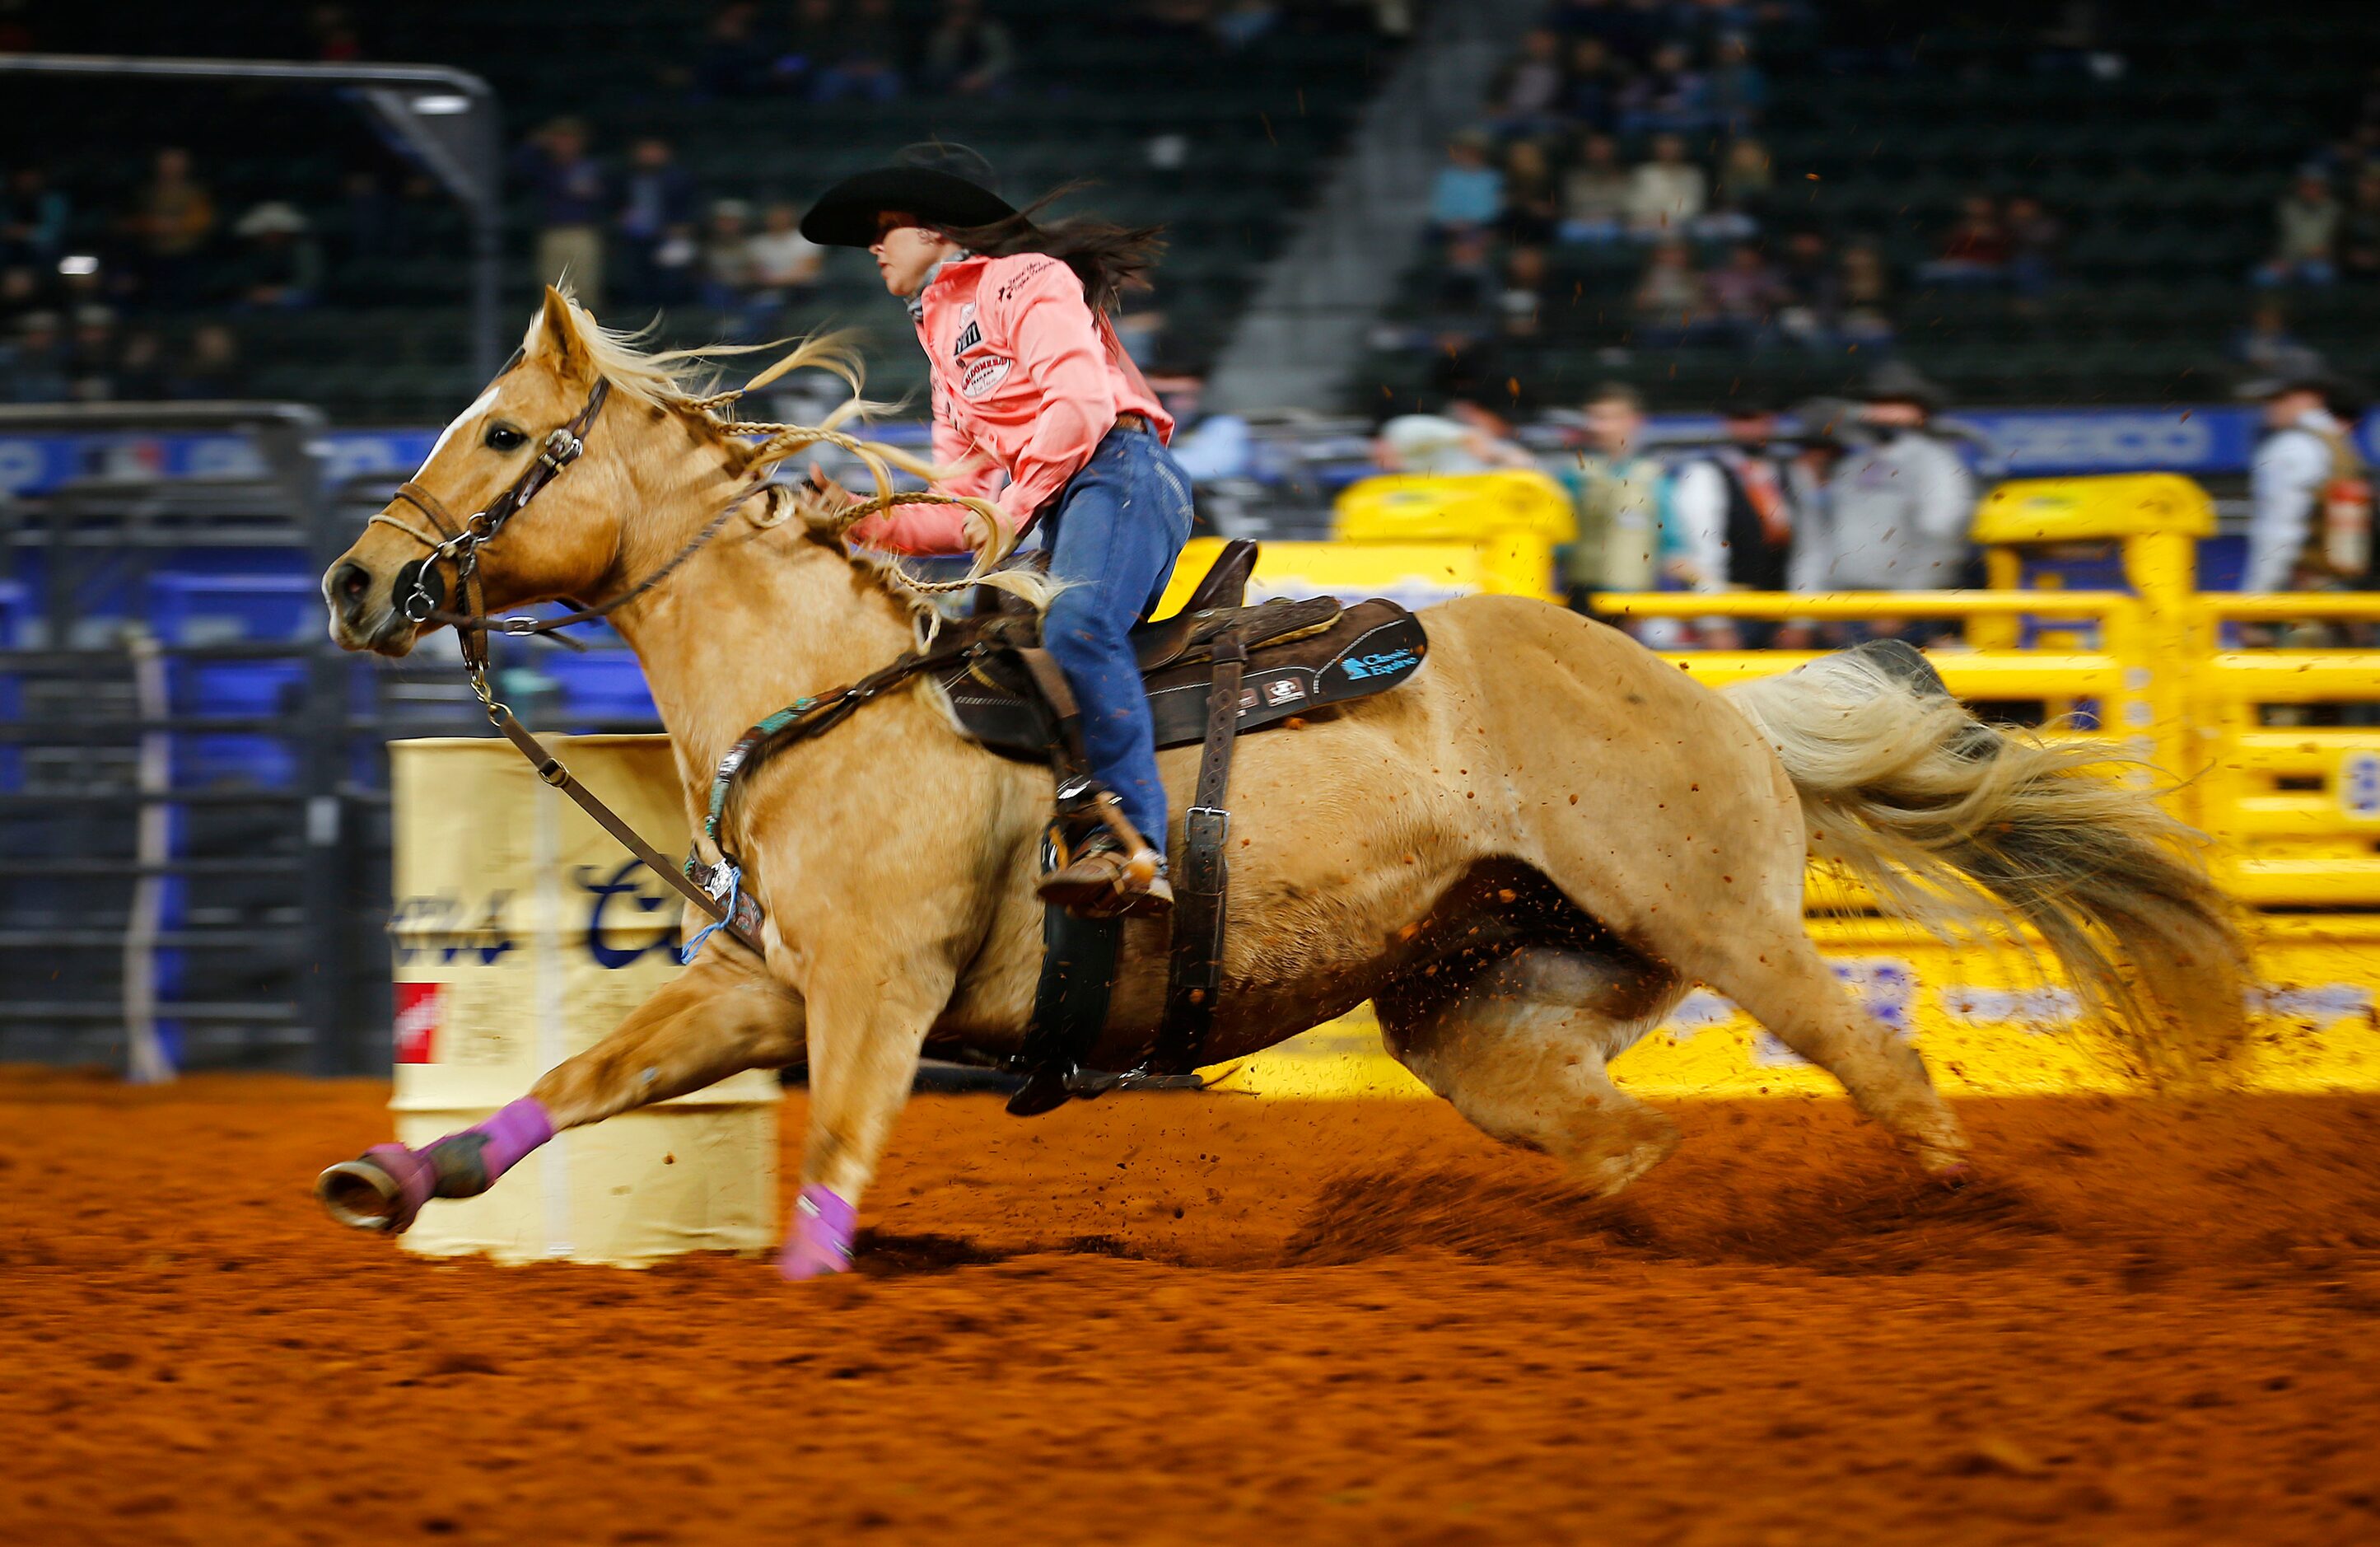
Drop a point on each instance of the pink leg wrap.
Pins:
(513, 1133)
(820, 1242)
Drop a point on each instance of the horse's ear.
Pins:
(557, 335)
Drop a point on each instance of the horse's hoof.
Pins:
(384, 1189)
(820, 1242)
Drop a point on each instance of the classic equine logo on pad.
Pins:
(1386, 663)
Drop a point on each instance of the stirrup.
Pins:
(1107, 881)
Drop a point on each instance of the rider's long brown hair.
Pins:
(1105, 256)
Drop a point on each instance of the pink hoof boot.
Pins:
(820, 1242)
(384, 1189)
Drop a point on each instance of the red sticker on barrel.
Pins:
(419, 1009)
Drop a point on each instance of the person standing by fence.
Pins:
(2311, 530)
(1897, 508)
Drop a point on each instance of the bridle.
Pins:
(717, 889)
(459, 541)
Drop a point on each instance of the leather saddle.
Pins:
(1213, 671)
(1300, 655)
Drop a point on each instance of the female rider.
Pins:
(1030, 384)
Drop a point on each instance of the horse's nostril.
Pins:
(349, 583)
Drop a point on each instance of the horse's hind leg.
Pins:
(1779, 978)
(718, 1019)
(1518, 1048)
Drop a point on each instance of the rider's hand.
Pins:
(826, 492)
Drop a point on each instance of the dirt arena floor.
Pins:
(1199, 1318)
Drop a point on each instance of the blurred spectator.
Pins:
(675, 274)
(1140, 324)
(368, 220)
(33, 220)
(1209, 447)
(1465, 438)
(1620, 499)
(173, 218)
(1629, 27)
(733, 61)
(280, 266)
(141, 368)
(1532, 215)
(1738, 509)
(567, 200)
(2305, 226)
(1897, 510)
(1812, 289)
(1596, 194)
(1591, 97)
(37, 360)
(2268, 347)
(1976, 251)
(2305, 459)
(1744, 295)
(866, 67)
(1866, 297)
(727, 275)
(1243, 22)
(811, 43)
(209, 369)
(1746, 176)
(1737, 90)
(91, 357)
(20, 291)
(2359, 230)
(1524, 296)
(1667, 193)
(1465, 273)
(2033, 234)
(1668, 293)
(1527, 93)
(1670, 95)
(785, 262)
(656, 196)
(967, 54)
(333, 31)
(1467, 193)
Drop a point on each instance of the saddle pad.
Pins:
(1374, 646)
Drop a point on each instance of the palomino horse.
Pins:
(1525, 856)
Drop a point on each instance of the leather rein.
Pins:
(458, 542)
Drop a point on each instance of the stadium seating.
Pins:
(1221, 148)
(2160, 148)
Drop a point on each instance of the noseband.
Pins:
(459, 540)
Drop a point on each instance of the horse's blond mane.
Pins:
(684, 382)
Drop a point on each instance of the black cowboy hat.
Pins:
(2340, 395)
(1899, 381)
(946, 186)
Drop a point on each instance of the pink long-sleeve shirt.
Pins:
(1027, 380)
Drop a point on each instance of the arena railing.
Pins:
(2290, 787)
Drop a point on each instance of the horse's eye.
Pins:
(503, 437)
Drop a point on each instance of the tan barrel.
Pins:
(522, 934)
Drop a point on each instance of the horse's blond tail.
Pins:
(1969, 829)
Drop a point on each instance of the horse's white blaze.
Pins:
(478, 406)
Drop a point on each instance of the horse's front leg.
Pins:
(721, 1016)
(867, 1025)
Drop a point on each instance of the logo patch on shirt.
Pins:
(984, 375)
(969, 336)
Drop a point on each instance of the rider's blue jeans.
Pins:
(1114, 533)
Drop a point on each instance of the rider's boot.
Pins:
(1104, 879)
(1112, 873)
